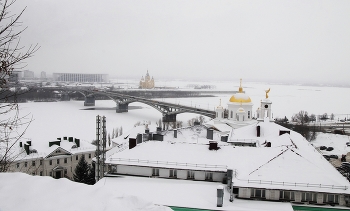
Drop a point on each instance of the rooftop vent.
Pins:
(213, 145)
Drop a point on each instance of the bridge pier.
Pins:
(122, 107)
(65, 97)
(89, 100)
(168, 118)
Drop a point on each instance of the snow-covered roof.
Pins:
(290, 159)
(44, 150)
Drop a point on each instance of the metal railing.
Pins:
(169, 163)
(296, 184)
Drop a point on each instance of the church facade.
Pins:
(147, 82)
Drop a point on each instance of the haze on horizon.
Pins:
(271, 40)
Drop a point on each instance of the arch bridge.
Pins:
(168, 110)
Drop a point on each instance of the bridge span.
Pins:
(168, 110)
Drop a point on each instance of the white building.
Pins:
(80, 77)
(57, 159)
(257, 159)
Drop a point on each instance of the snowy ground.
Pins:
(19, 191)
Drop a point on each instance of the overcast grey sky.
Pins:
(276, 40)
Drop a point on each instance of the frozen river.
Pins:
(71, 118)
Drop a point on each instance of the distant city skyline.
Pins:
(279, 41)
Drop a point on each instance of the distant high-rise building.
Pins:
(43, 75)
(27, 74)
(80, 77)
(14, 77)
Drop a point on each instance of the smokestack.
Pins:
(175, 133)
(258, 131)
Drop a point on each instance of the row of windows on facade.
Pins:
(222, 115)
(50, 162)
(289, 196)
(190, 174)
(41, 173)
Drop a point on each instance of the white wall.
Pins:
(320, 198)
(134, 170)
(297, 196)
(272, 194)
(244, 192)
(181, 174)
(218, 176)
(199, 175)
(164, 173)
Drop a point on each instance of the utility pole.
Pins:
(104, 135)
(97, 153)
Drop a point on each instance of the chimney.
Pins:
(258, 131)
(159, 129)
(175, 133)
(147, 130)
(132, 143)
(59, 139)
(26, 147)
(20, 144)
(77, 141)
(29, 143)
(139, 138)
(210, 134)
(70, 139)
(213, 145)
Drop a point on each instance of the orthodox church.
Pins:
(147, 82)
(239, 111)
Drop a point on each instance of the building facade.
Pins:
(58, 160)
(80, 77)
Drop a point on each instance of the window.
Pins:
(209, 176)
(65, 172)
(41, 162)
(248, 114)
(41, 173)
(173, 173)
(332, 198)
(89, 155)
(231, 114)
(258, 193)
(155, 172)
(58, 161)
(50, 162)
(190, 174)
(76, 157)
(17, 165)
(217, 115)
(65, 160)
(287, 195)
(305, 196)
(25, 164)
(33, 163)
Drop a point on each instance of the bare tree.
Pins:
(12, 57)
(301, 118)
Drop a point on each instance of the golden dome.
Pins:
(240, 97)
